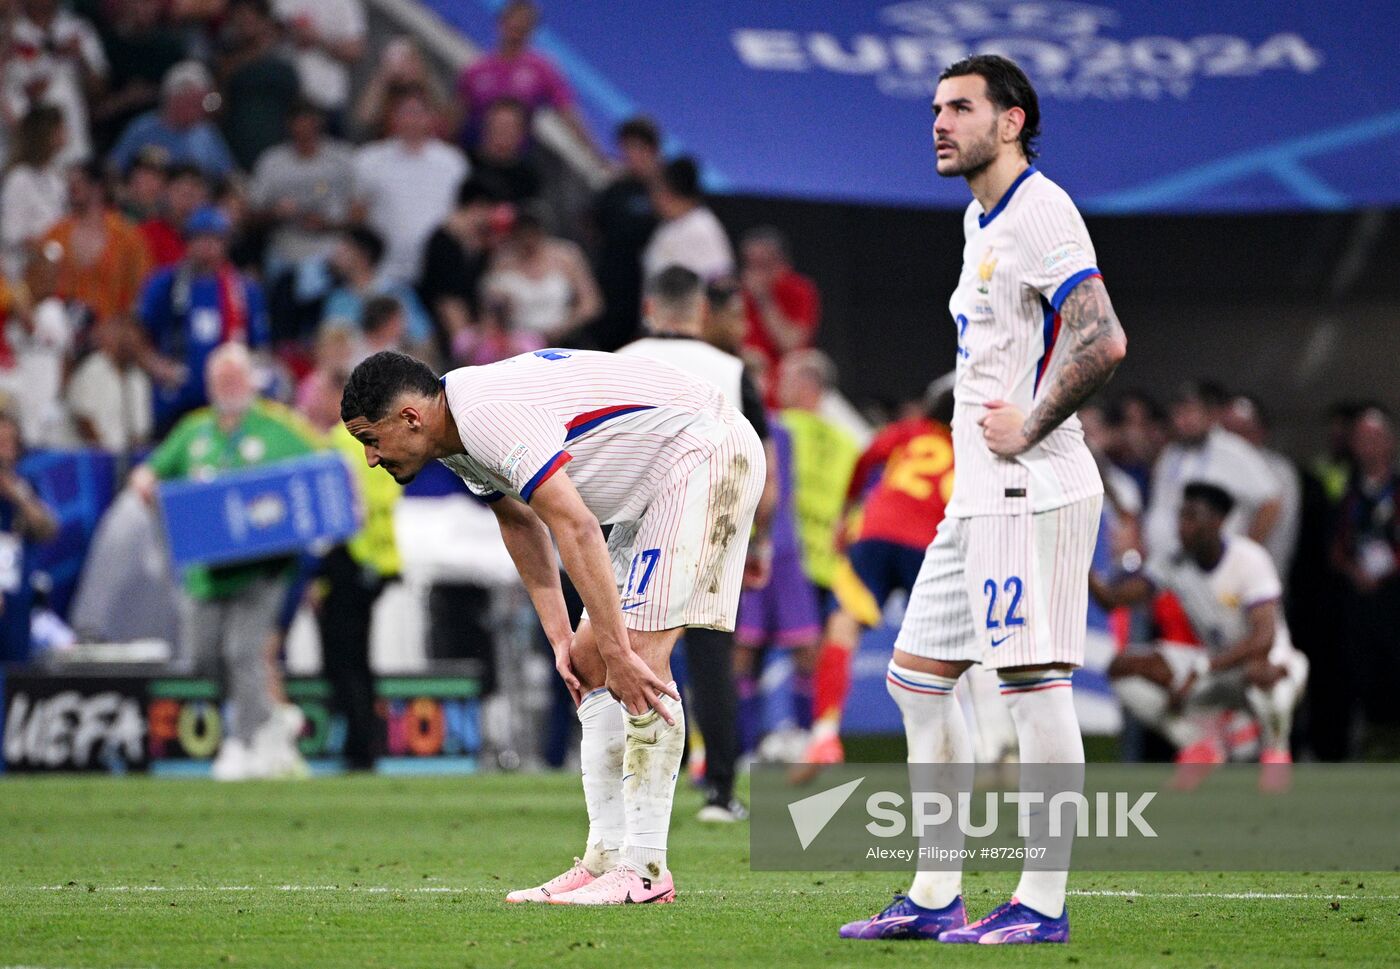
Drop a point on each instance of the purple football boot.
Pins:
(1012, 924)
(902, 919)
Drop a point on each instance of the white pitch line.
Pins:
(82, 889)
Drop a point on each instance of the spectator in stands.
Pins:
(143, 188)
(260, 85)
(192, 308)
(455, 260)
(382, 327)
(98, 255)
(185, 193)
(406, 185)
(689, 234)
(1366, 550)
(302, 189)
(492, 338)
(783, 306)
(1141, 436)
(24, 519)
(515, 70)
(34, 194)
(1246, 417)
(329, 39)
(56, 58)
(1203, 451)
(141, 48)
(180, 126)
(109, 396)
(318, 393)
(545, 281)
(500, 159)
(624, 221)
(229, 612)
(356, 261)
(40, 329)
(402, 69)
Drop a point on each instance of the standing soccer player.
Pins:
(662, 457)
(1004, 582)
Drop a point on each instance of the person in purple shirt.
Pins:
(514, 70)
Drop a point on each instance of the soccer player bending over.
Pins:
(1003, 582)
(1230, 590)
(559, 441)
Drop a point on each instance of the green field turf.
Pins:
(382, 872)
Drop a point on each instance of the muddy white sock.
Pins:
(600, 757)
(650, 762)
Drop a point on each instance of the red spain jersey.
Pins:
(907, 477)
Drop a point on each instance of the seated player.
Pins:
(666, 460)
(1230, 591)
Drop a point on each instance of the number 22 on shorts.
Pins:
(1010, 591)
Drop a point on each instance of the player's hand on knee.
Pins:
(639, 689)
(565, 669)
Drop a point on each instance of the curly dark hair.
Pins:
(379, 379)
(1007, 87)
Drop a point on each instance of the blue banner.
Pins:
(262, 512)
(1192, 106)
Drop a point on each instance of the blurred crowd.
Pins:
(185, 173)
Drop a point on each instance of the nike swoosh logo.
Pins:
(634, 605)
(642, 901)
(998, 642)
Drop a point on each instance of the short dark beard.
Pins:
(979, 156)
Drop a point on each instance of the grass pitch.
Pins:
(383, 872)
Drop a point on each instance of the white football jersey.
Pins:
(1217, 601)
(620, 423)
(697, 357)
(1020, 262)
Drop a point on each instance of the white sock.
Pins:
(996, 734)
(600, 756)
(649, 766)
(1042, 707)
(936, 733)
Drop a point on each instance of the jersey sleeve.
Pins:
(522, 444)
(1058, 254)
(1255, 577)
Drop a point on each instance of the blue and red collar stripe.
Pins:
(586, 422)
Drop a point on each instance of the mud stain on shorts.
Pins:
(726, 512)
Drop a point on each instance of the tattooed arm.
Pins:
(1092, 345)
